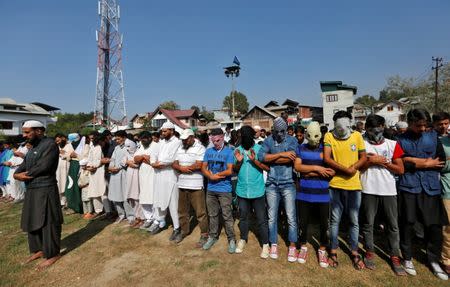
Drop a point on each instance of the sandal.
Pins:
(332, 260)
(358, 262)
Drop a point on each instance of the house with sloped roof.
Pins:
(182, 119)
(259, 116)
(13, 115)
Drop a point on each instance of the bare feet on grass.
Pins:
(45, 264)
(33, 257)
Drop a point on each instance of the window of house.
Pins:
(6, 125)
(390, 108)
(158, 123)
(332, 98)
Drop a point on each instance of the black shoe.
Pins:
(175, 234)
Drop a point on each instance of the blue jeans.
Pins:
(350, 200)
(273, 194)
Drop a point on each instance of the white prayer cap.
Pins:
(168, 125)
(33, 124)
(257, 128)
(186, 133)
(401, 125)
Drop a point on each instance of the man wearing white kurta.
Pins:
(16, 188)
(118, 180)
(65, 149)
(146, 176)
(166, 190)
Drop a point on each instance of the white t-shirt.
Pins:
(188, 157)
(377, 180)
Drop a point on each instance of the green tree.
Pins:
(70, 123)
(240, 103)
(169, 105)
(209, 116)
(196, 108)
(366, 101)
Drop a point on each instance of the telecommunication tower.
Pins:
(110, 96)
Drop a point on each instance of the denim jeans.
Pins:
(273, 194)
(349, 200)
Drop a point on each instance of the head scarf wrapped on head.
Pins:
(279, 129)
(313, 134)
(342, 128)
(247, 137)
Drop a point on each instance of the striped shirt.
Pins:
(312, 189)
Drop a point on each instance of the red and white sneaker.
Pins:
(274, 251)
(323, 258)
(302, 255)
(292, 254)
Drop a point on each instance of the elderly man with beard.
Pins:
(250, 190)
(188, 163)
(146, 177)
(166, 189)
(344, 151)
(278, 151)
(41, 214)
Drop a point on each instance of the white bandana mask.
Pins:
(313, 134)
(342, 128)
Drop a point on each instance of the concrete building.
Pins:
(393, 112)
(335, 97)
(13, 115)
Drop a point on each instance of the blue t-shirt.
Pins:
(217, 162)
(312, 189)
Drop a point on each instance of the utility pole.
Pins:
(437, 64)
(233, 71)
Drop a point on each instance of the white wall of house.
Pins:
(17, 120)
(334, 101)
(391, 113)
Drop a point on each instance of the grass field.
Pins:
(98, 253)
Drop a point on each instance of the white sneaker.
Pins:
(292, 254)
(240, 246)
(265, 251)
(274, 251)
(302, 255)
(437, 270)
(120, 219)
(409, 267)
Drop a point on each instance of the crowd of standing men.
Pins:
(301, 173)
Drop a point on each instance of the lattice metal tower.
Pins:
(110, 96)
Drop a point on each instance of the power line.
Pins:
(437, 64)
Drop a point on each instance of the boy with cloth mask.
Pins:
(384, 160)
(313, 195)
(344, 152)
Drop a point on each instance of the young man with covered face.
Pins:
(278, 151)
(217, 167)
(420, 190)
(188, 164)
(313, 197)
(384, 161)
(250, 189)
(344, 152)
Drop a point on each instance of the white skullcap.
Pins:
(33, 124)
(168, 125)
(257, 128)
(401, 125)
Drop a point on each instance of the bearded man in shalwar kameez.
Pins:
(166, 189)
(41, 214)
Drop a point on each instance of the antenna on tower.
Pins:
(110, 97)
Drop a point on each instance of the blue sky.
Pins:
(175, 50)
